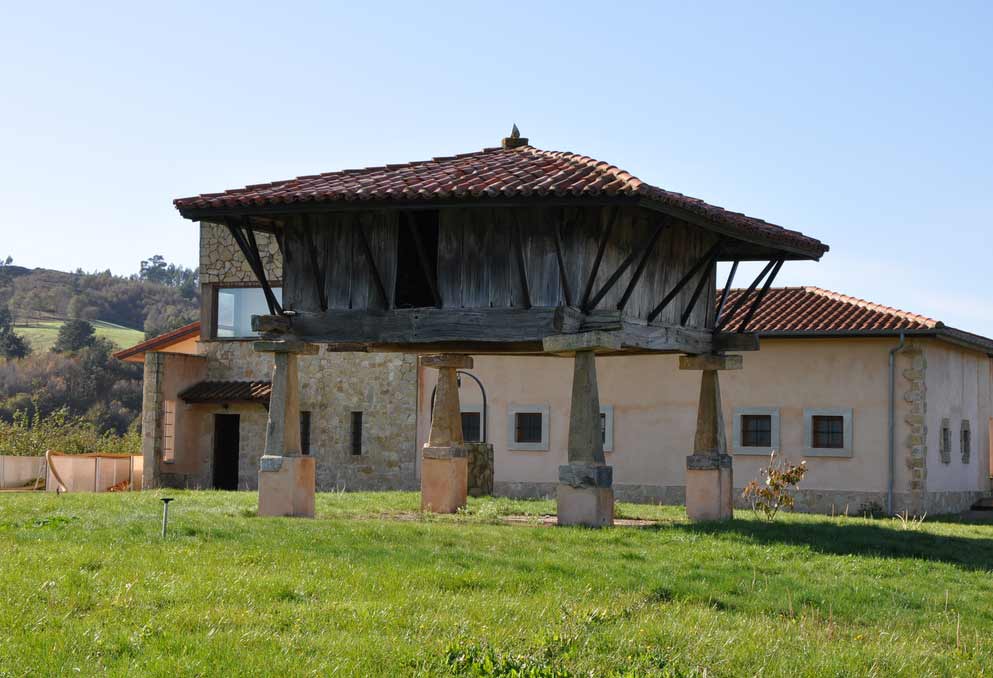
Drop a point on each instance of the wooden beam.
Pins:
(711, 253)
(522, 268)
(373, 269)
(605, 232)
(744, 297)
(563, 275)
(704, 278)
(612, 280)
(274, 306)
(732, 341)
(725, 293)
(317, 271)
(422, 256)
(761, 296)
(641, 266)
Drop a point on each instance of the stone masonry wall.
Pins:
(915, 394)
(333, 385)
(221, 261)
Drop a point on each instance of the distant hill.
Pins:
(159, 298)
(41, 334)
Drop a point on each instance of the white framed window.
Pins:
(527, 427)
(755, 430)
(945, 442)
(472, 423)
(965, 439)
(827, 432)
(235, 308)
(169, 431)
(607, 427)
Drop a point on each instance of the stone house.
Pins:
(364, 415)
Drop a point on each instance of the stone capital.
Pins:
(710, 362)
(449, 452)
(286, 346)
(586, 475)
(456, 360)
(707, 462)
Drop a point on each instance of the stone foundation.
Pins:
(286, 487)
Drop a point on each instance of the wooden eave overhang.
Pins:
(951, 335)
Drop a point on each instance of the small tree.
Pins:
(782, 480)
(11, 345)
(74, 335)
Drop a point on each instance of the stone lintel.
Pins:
(586, 475)
(710, 361)
(596, 340)
(456, 360)
(286, 346)
(449, 452)
(707, 462)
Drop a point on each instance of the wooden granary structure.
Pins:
(506, 250)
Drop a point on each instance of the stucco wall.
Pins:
(655, 408)
(958, 388)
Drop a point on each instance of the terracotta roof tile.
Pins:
(227, 391)
(812, 309)
(493, 172)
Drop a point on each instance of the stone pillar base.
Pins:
(286, 486)
(444, 479)
(709, 488)
(585, 495)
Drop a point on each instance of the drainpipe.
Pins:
(892, 423)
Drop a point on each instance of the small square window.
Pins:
(527, 427)
(755, 430)
(827, 432)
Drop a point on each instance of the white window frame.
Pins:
(608, 427)
(472, 408)
(512, 411)
(846, 413)
(736, 431)
(169, 431)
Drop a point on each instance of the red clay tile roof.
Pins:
(494, 173)
(227, 391)
(811, 309)
(161, 341)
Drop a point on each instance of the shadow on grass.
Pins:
(864, 539)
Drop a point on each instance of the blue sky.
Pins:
(866, 125)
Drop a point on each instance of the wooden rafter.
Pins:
(708, 256)
(725, 293)
(636, 276)
(522, 269)
(616, 275)
(744, 297)
(559, 254)
(371, 260)
(605, 232)
(305, 224)
(704, 278)
(761, 296)
(422, 257)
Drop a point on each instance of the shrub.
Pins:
(782, 480)
(27, 436)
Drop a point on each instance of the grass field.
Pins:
(371, 587)
(42, 334)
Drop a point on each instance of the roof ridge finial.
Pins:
(515, 139)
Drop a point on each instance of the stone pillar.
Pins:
(287, 479)
(152, 402)
(585, 492)
(709, 478)
(444, 460)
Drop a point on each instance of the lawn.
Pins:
(372, 587)
(42, 334)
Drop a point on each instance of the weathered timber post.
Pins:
(709, 478)
(287, 479)
(444, 461)
(585, 492)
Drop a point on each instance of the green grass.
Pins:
(42, 334)
(372, 587)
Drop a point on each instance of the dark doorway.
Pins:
(417, 260)
(227, 437)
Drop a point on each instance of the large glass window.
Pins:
(235, 308)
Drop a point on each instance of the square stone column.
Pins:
(585, 493)
(287, 478)
(709, 478)
(444, 459)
